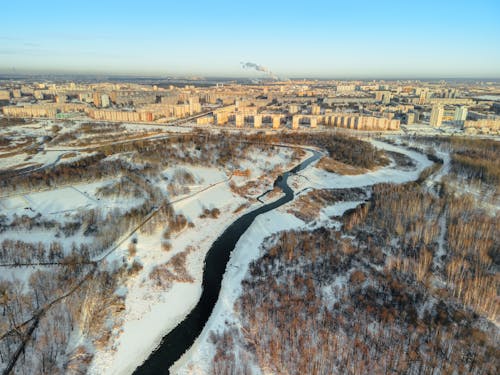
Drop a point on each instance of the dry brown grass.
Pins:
(7, 146)
(175, 270)
(274, 193)
(241, 208)
(96, 140)
(69, 155)
(308, 206)
(334, 166)
(244, 190)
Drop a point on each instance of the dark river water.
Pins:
(180, 339)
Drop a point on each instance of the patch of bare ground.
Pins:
(241, 208)
(274, 193)
(308, 206)
(402, 161)
(97, 140)
(7, 144)
(69, 155)
(335, 166)
(163, 276)
(245, 190)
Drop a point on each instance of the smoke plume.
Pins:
(258, 68)
(251, 65)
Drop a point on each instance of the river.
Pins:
(182, 337)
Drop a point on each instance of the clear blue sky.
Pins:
(366, 38)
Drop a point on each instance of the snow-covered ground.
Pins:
(23, 160)
(56, 204)
(197, 359)
(428, 130)
(161, 127)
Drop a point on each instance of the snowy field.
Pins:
(60, 202)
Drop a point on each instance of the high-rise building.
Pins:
(38, 95)
(315, 109)
(61, 98)
(383, 96)
(437, 115)
(105, 100)
(386, 98)
(97, 99)
(257, 121)
(409, 118)
(379, 95)
(423, 97)
(345, 88)
(4, 95)
(293, 108)
(460, 115)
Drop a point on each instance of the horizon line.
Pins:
(198, 76)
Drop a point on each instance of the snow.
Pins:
(58, 202)
(495, 98)
(43, 159)
(202, 175)
(272, 161)
(441, 242)
(144, 331)
(20, 275)
(443, 171)
(159, 126)
(331, 292)
(341, 207)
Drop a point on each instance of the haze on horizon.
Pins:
(363, 39)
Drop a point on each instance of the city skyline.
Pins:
(322, 40)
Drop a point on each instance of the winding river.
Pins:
(180, 339)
